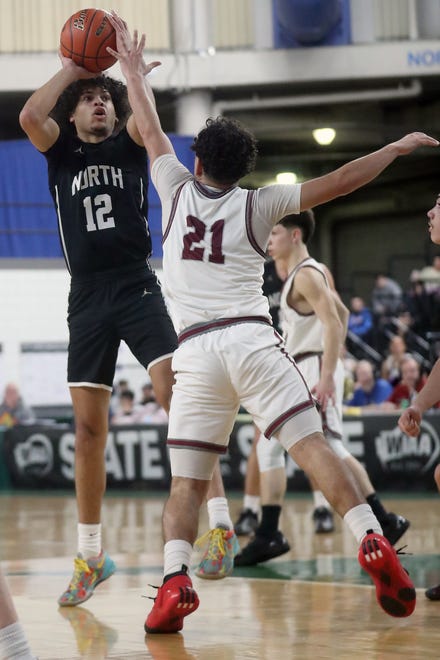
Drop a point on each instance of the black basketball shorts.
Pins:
(103, 312)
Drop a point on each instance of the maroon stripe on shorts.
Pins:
(303, 356)
(218, 324)
(292, 412)
(173, 443)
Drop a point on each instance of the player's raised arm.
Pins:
(361, 171)
(34, 117)
(140, 93)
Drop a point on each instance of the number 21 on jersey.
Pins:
(192, 240)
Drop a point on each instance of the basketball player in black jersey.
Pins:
(97, 169)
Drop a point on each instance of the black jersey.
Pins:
(272, 286)
(100, 195)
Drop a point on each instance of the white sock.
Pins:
(360, 519)
(218, 512)
(13, 643)
(89, 540)
(252, 502)
(177, 553)
(320, 500)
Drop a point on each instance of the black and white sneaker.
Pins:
(261, 549)
(247, 523)
(323, 520)
(394, 527)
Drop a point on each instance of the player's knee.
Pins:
(184, 488)
(339, 448)
(270, 454)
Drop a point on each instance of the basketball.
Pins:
(85, 37)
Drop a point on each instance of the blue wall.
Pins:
(28, 223)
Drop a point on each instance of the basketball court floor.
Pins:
(312, 603)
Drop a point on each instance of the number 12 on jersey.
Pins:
(99, 207)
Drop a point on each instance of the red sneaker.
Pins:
(395, 592)
(175, 599)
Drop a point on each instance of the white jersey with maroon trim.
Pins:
(214, 244)
(303, 333)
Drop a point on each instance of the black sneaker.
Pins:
(261, 549)
(433, 593)
(323, 519)
(394, 527)
(247, 523)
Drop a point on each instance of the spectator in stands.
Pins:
(360, 320)
(419, 304)
(147, 394)
(397, 350)
(386, 296)
(349, 362)
(150, 411)
(406, 389)
(12, 409)
(386, 302)
(430, 275)
(369, 391)
(128, 412)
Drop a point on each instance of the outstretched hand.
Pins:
(130, 49)
(412, 141)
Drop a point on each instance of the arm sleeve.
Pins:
(167, 174)
(270, 204)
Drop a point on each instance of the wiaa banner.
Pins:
(42, 456)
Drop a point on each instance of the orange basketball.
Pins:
(85, 37)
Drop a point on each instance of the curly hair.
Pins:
(227, 150)
(68, 100)
(305, 221)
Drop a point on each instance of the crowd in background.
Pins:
(392, 342)
(126, 408)
(391, 346)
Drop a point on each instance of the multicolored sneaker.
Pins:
(87, 575)
(395, 591)
(175, 599)
(93, 638)
(218, 560)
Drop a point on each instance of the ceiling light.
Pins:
(286, 177)
(324, 135)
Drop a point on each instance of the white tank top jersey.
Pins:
(303, 333)
(214, 244)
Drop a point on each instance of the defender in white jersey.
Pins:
(215, 237)
(314, 324)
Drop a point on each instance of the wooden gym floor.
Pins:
(312, 603)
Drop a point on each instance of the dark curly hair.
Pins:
(305, 221)
(227, 150)
(68, 100)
